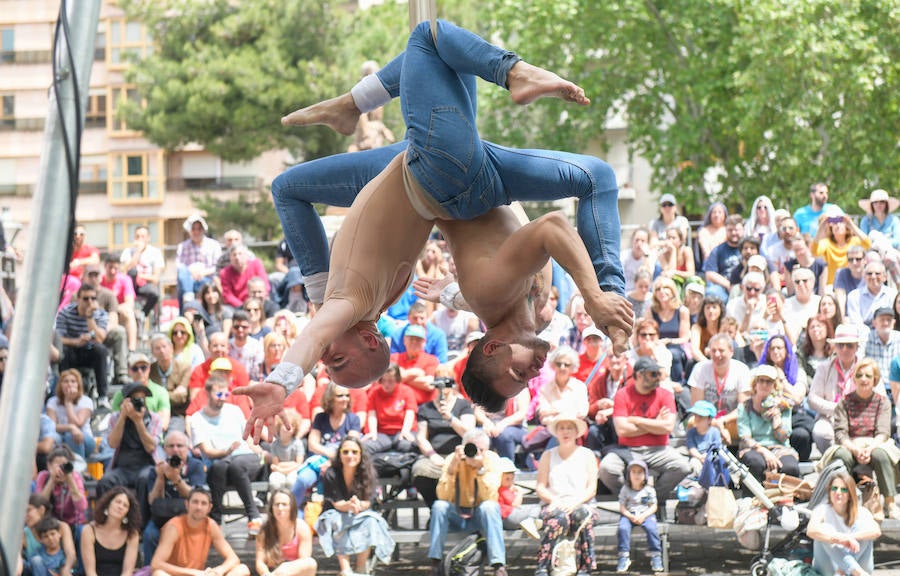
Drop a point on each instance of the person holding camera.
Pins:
(836, 234)
(134, 434)
(442, 423)
(158, 402)
(169, 483)
(63, 486)
(467, 500)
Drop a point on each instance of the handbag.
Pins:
(871, 498)
(799, 489)
(563, 559)
(312, 510)
(536, 440)
(720, 507)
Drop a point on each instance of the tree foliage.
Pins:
(253, 214)
(727, 99)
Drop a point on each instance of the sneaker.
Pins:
(623, 565)
(254, 526)
(892, 511)
(103, 403)
(529, 526)
(656, 563)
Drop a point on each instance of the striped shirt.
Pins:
(70, 324)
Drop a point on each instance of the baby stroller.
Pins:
(793, 518)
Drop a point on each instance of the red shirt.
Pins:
(200, 374)
(505, 498)
(234, 283)
(585, 365)
(425, 361)
(598, 387)
(239, 400)
(458, 370)
(629, 402)
(297, 400)
(84, 251)
(390, 409)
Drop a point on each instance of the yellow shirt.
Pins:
(488, 482)
(836, 256)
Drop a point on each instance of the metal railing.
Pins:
(25, 57)
(221, 183)
(21, 124)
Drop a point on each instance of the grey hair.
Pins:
(477, 436)
(564, 351)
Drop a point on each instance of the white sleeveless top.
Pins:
(567, 476)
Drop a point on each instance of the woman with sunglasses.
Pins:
(843, 531)
(182, 336)
(255, 308)
(862, 432)
(348, 526)
(564, 393)
(835, 235)
(284, 545)
(674, 321)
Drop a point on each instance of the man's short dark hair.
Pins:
(201, 489)
(240, 316)
(734, 220)
(111, 256)
(46, 524)
(477, 384)
(85, 288)
(215, 380)
(750, 240)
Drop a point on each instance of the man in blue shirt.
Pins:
(807, 217)
(435, 338)
(724, 258)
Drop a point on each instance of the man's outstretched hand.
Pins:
(268, 404)
(430, 288)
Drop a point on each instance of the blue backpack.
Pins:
(715, 470)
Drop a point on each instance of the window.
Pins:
(100, 46)
(136, 178)
(125, 40)
(94, 174)
(7, 112)
(121, 232)
(117, 94)
(7, 45)
(96, 111)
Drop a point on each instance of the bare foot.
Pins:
(340, 114)
(527, 83)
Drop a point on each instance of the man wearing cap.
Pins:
(863, 301)
(780, 249)
(217, 432)
(417, 367)
(134, 434)
(594, 350)
(668, 212)
(196, 258)
(82, 327)
(435, 338)
(803, 305)
(807, 217)
(722, 381)
(644, 415)
(157, 401)
(116, 340)
(638, 257)
(724, 258)
(218, 348)
(832, 381)
(883, 343)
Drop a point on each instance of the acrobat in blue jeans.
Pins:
(467, 176)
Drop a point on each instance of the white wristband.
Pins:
(448, 295)
(286, 374)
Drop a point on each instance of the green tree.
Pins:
(253, 214)
(760, 97)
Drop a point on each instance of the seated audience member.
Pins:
(435, 339)
(794, 386)
(674, 256)
(843, 531)
(638, 257)
(883, 342)
(614, 374)
(441, 425)
(284, 546)
(640, 296)
(803, 305)
(874, 294)
(509, 496)
(862, 432)
(702, 435)
(196, 258)
(48, 439)
(235, 277)
(836, 233)
(755, 343)
(712, 311)
(37, 509)
(70, 409)
(50, 559)
(723, 382)
(284, 322)
(348, 526)
(829, 309)
(116, 340)
(82, 327)
(121, 285)
(392, 414)
(751, 304)
(255, 309)
(637, 506)
(144, 264)
(644, 416)
(563, 393)
(172, 374)
(158, 400)
(764, 427)
(467, 501)
(813, 348)
(286, 452)
(217, 430)
(566, 483)
(258, 290)
(241, 347)
(506, 428)
(832, 381)
(329, 428)
(225, 368)
(723, 258)
(212, 311)
(186, 540)
(169, 484)
(184, 347)
(218, 348)
(109, 544)
(647, 344)
(134, 434)
(694, 293)
(674, 324)
(274, 346)
(777, 247)
(668, 217)
(850, 277)
(712, 232)
(63, 486)
(456, 324)
(595, 351)
(417, 367)
(751, 261)
(558, 324)
(804, 259)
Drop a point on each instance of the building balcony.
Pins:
(223, 183)
(21, 124)
(26, 57)
(92, 187)
(16, 189)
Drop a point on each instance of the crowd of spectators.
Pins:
(773, 334)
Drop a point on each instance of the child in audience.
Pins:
(637, 505)
(287, 453)
(509, 496)
(50, 557)
(703, 435)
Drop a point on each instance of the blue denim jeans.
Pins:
(829, 558)
(623, 534)
(486, 519)
(466, 175)
(84, 449)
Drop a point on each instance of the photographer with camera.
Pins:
(467, 493)
(170, 483)
(64, 487)
(134, 434)
(442, 423)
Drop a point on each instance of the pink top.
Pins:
(65, 507)
(234, 283)
(121, 286)
(291, 550)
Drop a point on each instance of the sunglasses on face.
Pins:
(139, 368)
(841, 489)
(647, 334)
(852, 259)
(222, 395)
(846, 345)
(179, 333)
